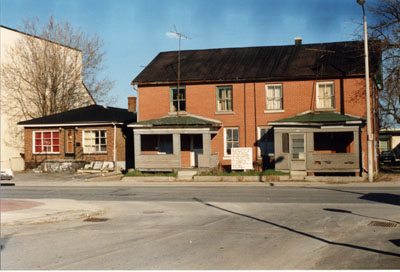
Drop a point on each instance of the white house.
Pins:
(12, 148)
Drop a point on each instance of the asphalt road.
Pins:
(212, 228)
(242, 194)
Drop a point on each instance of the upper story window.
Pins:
(94, 141)
(46, 142)
(325, 95)
(274, 97)
(224, 99)
(231, 139)
(178, 99)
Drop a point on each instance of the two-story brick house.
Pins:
(300, 106)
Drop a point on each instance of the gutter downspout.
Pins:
(244, 110)
(115, 146)
(255, 119)
(374, 127)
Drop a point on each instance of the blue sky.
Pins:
(133, 31)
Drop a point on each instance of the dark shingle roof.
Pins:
(266, 63)
(89, 114)
(320, 117)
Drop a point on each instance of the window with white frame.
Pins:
(46, 142)
(177, 99)
(224, 99)
(265, 141)
(325, 95)
(274, 96)
(94, 141)
(231, 139)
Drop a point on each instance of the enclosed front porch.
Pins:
(175, 142)
(319, 143)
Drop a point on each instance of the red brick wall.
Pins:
(30, 157)
(249, 103)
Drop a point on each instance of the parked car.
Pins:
(6, 174)
(387, 157)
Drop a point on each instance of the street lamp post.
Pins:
(367, 94)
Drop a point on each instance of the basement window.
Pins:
(333, 142)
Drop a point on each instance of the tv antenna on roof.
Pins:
(175, 34)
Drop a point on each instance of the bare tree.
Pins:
(49, 69)
(385, 25)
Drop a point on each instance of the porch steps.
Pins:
(185, 175)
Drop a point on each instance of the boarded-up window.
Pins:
(224, 98)
(274, 96)
(325, 95)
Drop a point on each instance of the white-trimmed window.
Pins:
(224, 99)
(94, 141)
(177, 99)
(231, 139)
(46, 142)
(265, 141)
(325, 95)
(274, 97)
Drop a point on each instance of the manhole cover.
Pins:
(152, 212)
(95, 219)
(382, 224)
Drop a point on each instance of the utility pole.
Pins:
(370, 136)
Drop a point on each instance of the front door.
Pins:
(297, 152)
(191, 147)
(69, 143)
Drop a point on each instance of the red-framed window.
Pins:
(46, 142)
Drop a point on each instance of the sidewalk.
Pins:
(21, 212)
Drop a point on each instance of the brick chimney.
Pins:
(297, 40)
(132, 103)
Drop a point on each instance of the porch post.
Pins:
(137, 144)
(207, 143)
(176, 142)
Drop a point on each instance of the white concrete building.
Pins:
(12, 148)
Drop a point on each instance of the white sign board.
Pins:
(242, 158)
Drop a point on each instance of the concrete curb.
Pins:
(115, 180)
(52, 210)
